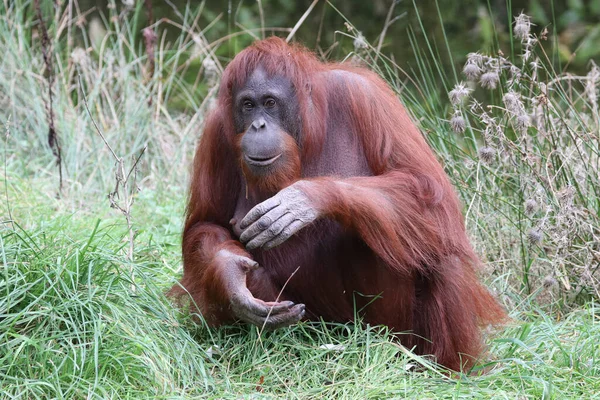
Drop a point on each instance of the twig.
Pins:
(388, 22)
(301, 21)
(123, 187)
(6, 136)
(278, 296)
(262, 17)
(149, 42)
(94, 122)
(49, 103)
(137, 160)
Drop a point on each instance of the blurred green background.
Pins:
(471, 25)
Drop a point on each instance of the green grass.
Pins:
(73, 326)
(82, 318)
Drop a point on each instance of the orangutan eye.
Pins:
(248, 105)
(270, 103)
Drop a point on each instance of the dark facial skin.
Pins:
(264, 110)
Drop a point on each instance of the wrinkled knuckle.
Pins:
(274, 229)
(290, 195)
(299, 211)
(248, 233)
(252, 215)
(271, 233)
(264, 223)
(305, 217)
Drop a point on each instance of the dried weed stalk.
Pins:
(47, 54)
(541, 148)
(123, 196)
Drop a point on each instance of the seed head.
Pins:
(515, 72)
(458, 123)
(522, 27)
(593, 78)
(489, 80)
(523, 122)
(80, 57)
(594, 74)
(512, 102)
(471, 71)
(487, 154)
(531, 206)
(210, 68)
(565, 196)
(360, 42)
(475, 58)
(459, 93)
(534, 236)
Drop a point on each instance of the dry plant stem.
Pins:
(259, 339)
(320, 32)
(262, 17)
(149, 13)
(554, 153)
(248, 31)
(301, 20)
(49, 103)
(6, 136)
(149, 41)
(279, 294)
(123, 196)
(385, 28)
(94, 122)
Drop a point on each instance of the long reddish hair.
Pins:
(392, 143)
(413, 223)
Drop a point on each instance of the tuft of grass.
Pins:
(71, 327)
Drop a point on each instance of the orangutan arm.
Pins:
(390, 212)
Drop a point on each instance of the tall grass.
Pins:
(72, 328)
(130, 106)
(79, 318)
(531, 170)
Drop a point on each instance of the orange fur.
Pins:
(396, 232)
(287, 172)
